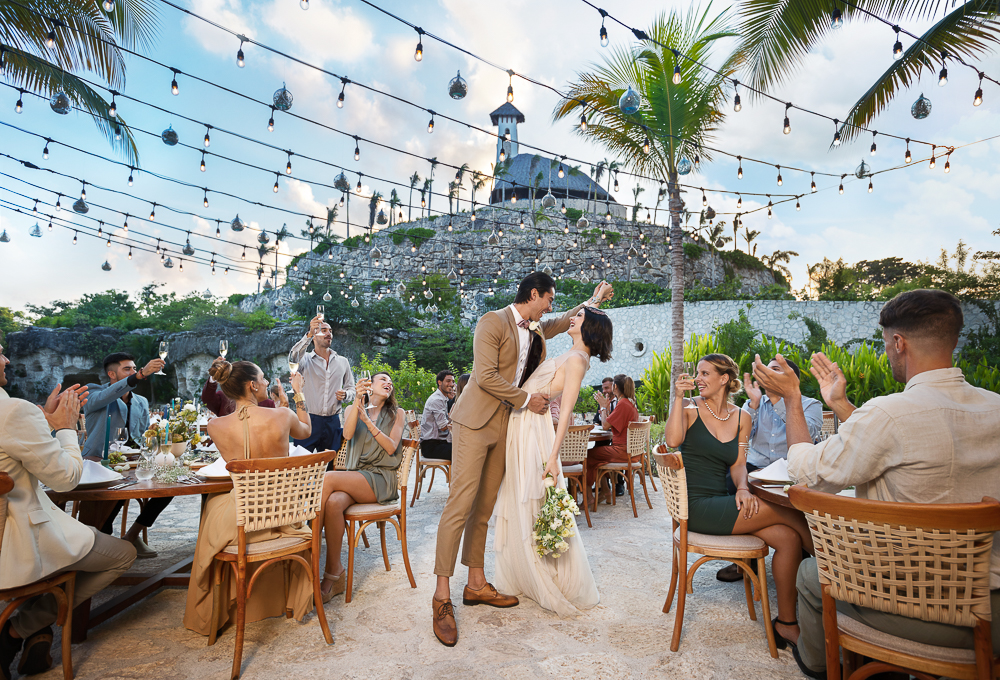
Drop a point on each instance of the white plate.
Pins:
(776, 472)
(216, 470)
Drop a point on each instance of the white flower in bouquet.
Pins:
(549, 482)
(553, 523)
(189, 407)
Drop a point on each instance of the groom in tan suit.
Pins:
(509, 345)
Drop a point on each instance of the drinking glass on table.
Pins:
(164, 347)
(223, 348)
(147, 454)
(121, 436)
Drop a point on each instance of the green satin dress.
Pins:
(365, 455)
(711, 510)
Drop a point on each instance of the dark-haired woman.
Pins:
(713, 435)
(617, 421)
(249, 432)
(564, 585)
(374, 436)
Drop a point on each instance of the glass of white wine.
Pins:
(366, 375)
(293, 362)
(164, 348)
(223, 348)
(320, 311)
(689, 367)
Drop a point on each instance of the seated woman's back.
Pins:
(267, 433)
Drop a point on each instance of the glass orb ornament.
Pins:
(262, 237)
(188, 250)
(582, 223)
(548, 200)
(60, 103)
(630, 101)
(684, 167)
(268, 286)
(81, 206)
(457, 87)
(647, 264)
(327, 297)
(710, 212)
(342, 183)
(169, 137)
(355, 303)
(36, 231)
(547, 270)
(401, 288)
(452, 275)
(921, 108)
(382, 218)
(237, 224)
(168, 263)
(282, 99)
(109, 6)
(493, 239)
(106, 266)
(4, 238)
(719, 243)
(863, 170)
(632, 252)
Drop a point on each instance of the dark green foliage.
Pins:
(738, 258)
(10, 321)
(693, 251)
(570, 292)
(417, 235)
(730, 290)
(236, 298)
(594, 235)
(353, 242)
(573, 214)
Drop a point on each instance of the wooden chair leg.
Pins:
(645, 491)
(364, 537)
(586, 500)
(67, 630)
(831, 635)
(673, 582)
(431, 485)
(630, 483)
(125, 505)
(286, 568)
(401, 532)
(385, 553)
(749, 593)
(649, 467)
(765, 606)
(241, 616)
(352, 542)
(419, 482)
(216, 602)
(318, 595)
(675, 640)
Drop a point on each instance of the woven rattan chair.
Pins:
(573, 456)
(426, 464)
(830, 423)
(923, 561)
(360, 515)
(740, 550)
(637, 445)
(271, 493)
(61, 586)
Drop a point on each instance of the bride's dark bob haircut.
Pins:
(597, 333)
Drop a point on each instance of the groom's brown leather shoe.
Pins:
(488, 595)
(445, 627)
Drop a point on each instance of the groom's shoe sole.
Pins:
(491, 597)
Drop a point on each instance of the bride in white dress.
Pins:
(564, 585)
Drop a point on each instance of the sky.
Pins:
(912, 213)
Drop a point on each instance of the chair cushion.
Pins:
(709, 542)
(371, 510)
(434, 461)
(616, 466)
(857, 629)
(575, 469)
(279, 543)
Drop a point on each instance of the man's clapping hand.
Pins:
(66, 411)
(832, 383)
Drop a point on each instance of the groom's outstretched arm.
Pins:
(486, 367)
(553, 327)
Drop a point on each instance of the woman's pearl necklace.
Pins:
(713, 412)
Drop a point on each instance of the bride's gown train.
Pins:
(564, 585)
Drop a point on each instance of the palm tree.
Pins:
(714, 237)
(414, 179)
(635, 200)
(673, 120)
(776, 263)
(373, 208)
(453, 188)
(478, 183)
(424, 190)
(88, 40)
(749, 236)
(429, 184)
(331, 217)
(393, 202)
(459, 179)
(777, 34)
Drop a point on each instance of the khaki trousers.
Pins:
(477, 469)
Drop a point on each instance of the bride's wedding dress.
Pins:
(564, 585)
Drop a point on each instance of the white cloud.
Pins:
(328, 32)
(233, 14)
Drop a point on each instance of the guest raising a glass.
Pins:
(713, 434)
(617, 421)
(249, 432)
(374, 453)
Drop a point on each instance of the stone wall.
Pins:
(641, 330)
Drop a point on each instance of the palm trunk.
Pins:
(409, 210)
(348, 218)
(676, 279)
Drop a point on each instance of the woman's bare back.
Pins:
(268, 436)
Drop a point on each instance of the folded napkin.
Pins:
(299, 450)
(216, 470)
(210, 447)
(775, 472)
(95, 473)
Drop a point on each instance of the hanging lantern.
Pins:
(382, 218)
(282, 99)
(428, 294)
(632, 252)
(237, 224)
(262, 237)
(493, 239)
(188, 250)
(354, 302)
(401, 288)
(548, 200)
(647, 264)
(327, 297)
(709, 213)
(267, 285)
(630, 101)
(863, 170)
(60, 103)
(106, 266)
(921, 108)
(169, 137)
(168, 263)
(684, 167)
(4, 238)
(36, 231)
(342, 183)
(452, 275)
(582, 223)
(81, 206)
(547, 270)
(457, 87)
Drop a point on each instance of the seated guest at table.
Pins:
(218, 403)
(937, 441)
(711, 441)
(250, 432)
(374, 453)
(607, 391)
(623, 389)
(40, 539)
(114, 406)
(435, 428)
(767, 437)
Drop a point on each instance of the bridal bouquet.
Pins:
(554, 523)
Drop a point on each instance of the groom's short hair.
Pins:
(539, 281)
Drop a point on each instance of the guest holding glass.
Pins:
(217, 402)
(713, 434)
(374, 453)
(249, 432)
(329, 383)
(435, 426)
(623, 390)
(607, 391)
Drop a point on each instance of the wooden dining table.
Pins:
(600, 436)
(774, 492)
(96, 505)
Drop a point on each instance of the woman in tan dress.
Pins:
(374, 438)
(249, 432)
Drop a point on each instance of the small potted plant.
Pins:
(183, 428)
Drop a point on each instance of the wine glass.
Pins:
(689, 367)
(121, 436)
(293, 362)
(145, 470)
(320, 309)
(164, 347)
(223, 348)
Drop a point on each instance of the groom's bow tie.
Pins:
(523, 323)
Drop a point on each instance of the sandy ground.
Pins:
(385, 632)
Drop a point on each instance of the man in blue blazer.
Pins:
(114, 406)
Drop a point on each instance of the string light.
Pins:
(152, 213)
(979, 92)
(704, 202)
(739, 201)
(240, 61)
(100, 229)
(908, 157)
(871, 187)
(778, 167)
(430, 125)
(357, 189)
(270, 121)
(943, 73)
(836, 132)
(947, 162)
(873, 142)
(19, 105)
(510, 88)
(58, 202)
(74, 236)
(113, 108)
(841, 187)
(50, 39)
(45, 151)
(340, 98)
(419, 54)
(207, 141)
(83, 191)
(677, 69)
(604, 32)
(288, 166)
(797, 206)
(275, 188)
(933, 162)
(205, 202)
(244, 255)
(130, 180)
(836, 19)
(787, 128)
(174, 89)
(739, 170)
(202, 161)
(770, 205)
(357, 149)
(737, 105)
(130, 252)
(561, 172)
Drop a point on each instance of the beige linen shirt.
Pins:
(323, 378)
(937, 441)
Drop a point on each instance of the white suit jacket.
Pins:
(39, 539)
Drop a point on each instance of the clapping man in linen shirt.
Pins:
(937, 441)
(328, 383)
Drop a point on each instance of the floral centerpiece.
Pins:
(178, 431)
(554, 523)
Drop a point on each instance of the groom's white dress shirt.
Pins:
(524, 344)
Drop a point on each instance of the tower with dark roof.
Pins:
(505, 119)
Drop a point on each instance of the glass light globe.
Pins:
(630, 101)
(457, 87)
(60, 103)
(684, 167)
(921, 108)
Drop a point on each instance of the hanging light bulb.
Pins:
(45, 151)
(174, 89)
(739, 201)
(797, 206)
(357, 189)
(74, 237)
(583, 122)
(979, 95)
(503, 154)
(58, 202)
(704, 202)
(769, 206)
(202, 166)
(836, 133)
(897, 49)
(108, 244)
(130, 180)
(836, 19)
(873, 142)
(943, 73)
(908, 157)
(50, 39)
(244, 255)
(19, 105)
(561, 173)
(871, 187)
(205, 202)
(275, 187)
(118, 132)
(357, 149)
(933, 162)
(109, 6)
(779, 174)
(510, 88)
(739, 170)
(304, 4)
(240, 61)
(430, 126)
(340, 98)
(677, 72)
(152, 214)
(288, 166)
(646, 148)
(113, 108)
(841, 187)
(947, 162)
(787, 128)
(270, 122)
(737, 104)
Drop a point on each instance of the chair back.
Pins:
(414, 429)
(673, 478)
(923, 561)
(340, 462)
(829, 423)
(6, 486)
(638, 438)
(410, 448)
(574, 445)
(276, 492)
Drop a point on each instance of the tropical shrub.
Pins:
(412, 384)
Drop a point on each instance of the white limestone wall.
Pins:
(641, 330)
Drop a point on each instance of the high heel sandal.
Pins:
(339, 586)
(780, 641)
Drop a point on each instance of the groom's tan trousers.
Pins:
(478, 462)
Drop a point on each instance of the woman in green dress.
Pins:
(713, 434)
(374, 436)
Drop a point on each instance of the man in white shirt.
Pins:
(39, 539)
(938, 441)
(435, 426)
(328, 383)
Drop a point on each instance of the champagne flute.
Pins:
(366, 375)
(223, 348)
(689, 369)
(293, 362)
(320, 309)
(121, 436)
(164, 347)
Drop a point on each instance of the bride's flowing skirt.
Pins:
(564, 585)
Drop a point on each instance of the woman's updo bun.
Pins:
(220, 371)
(735, 385)
(234, 378)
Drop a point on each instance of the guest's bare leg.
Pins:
(342, 490)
